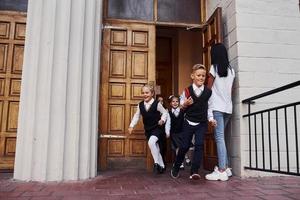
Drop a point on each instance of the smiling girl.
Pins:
(154, 116)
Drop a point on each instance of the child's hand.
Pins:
(161, 122)
(188, 102)
(213, 122)
(130, 129)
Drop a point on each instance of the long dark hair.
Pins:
(219, 59)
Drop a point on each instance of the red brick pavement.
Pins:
(137, 184)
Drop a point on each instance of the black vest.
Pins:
(197, 112)
(176, 122)
(150, 117)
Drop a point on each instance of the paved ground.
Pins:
(133, 184)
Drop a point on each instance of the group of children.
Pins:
(187, 119)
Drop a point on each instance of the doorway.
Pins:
(134, 54)
(177, 50)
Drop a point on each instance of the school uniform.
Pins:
(195, 123)
(152, 113)
(176, 124)
(150, 120)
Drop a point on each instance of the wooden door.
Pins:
(211, 34)
(12, 36)
(128, 62)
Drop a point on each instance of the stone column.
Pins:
(58, 117)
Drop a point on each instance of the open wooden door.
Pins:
(211, 34)
(128, 62)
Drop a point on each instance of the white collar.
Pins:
(149, 102)
(198, 88)
(176, 109)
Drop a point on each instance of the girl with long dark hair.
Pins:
(221, 77)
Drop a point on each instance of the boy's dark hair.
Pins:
(219, 59)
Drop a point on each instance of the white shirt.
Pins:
(221, 99)
(198, 91)
(147, 105)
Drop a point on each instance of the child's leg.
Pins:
(188, 131)
(154, 148)
(160, 158)
(198, 148)
(162, 142)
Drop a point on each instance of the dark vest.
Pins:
(150, 117)
(197, 112)
(176, 122)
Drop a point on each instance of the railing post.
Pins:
(296, 138)
(263, 139)
(277, 133)
(270, 147)
(255, 137)
(287, 141)
(249, 121)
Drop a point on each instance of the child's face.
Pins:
(198, 77)
(147, 94)
(174, 103)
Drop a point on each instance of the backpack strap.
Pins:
(187, 93)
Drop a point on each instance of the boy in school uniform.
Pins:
(195, 101)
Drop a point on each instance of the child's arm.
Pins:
(168, 126)
(135, 119)
(210, 115)
(163, 112)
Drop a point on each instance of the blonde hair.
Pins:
(198, 66)
(150, 87)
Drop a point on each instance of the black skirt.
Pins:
(158, 132)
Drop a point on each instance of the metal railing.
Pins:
(270, 157)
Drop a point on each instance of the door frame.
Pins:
(215, 18)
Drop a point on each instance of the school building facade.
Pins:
(71, 74)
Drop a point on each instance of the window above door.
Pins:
(158, 11)
(187, 11)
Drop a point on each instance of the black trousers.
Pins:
(188, 132)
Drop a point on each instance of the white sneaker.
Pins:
(228, 171)
(217, 175)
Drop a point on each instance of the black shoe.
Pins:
(156, 168)
(174, 172)
(195, 176)
(162, 169)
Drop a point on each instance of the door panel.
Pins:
(211, 34)
(12, 36)
(127, 64)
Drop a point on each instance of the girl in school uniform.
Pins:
(154, 116)
(174, 124)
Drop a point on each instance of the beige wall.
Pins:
(189, 53)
